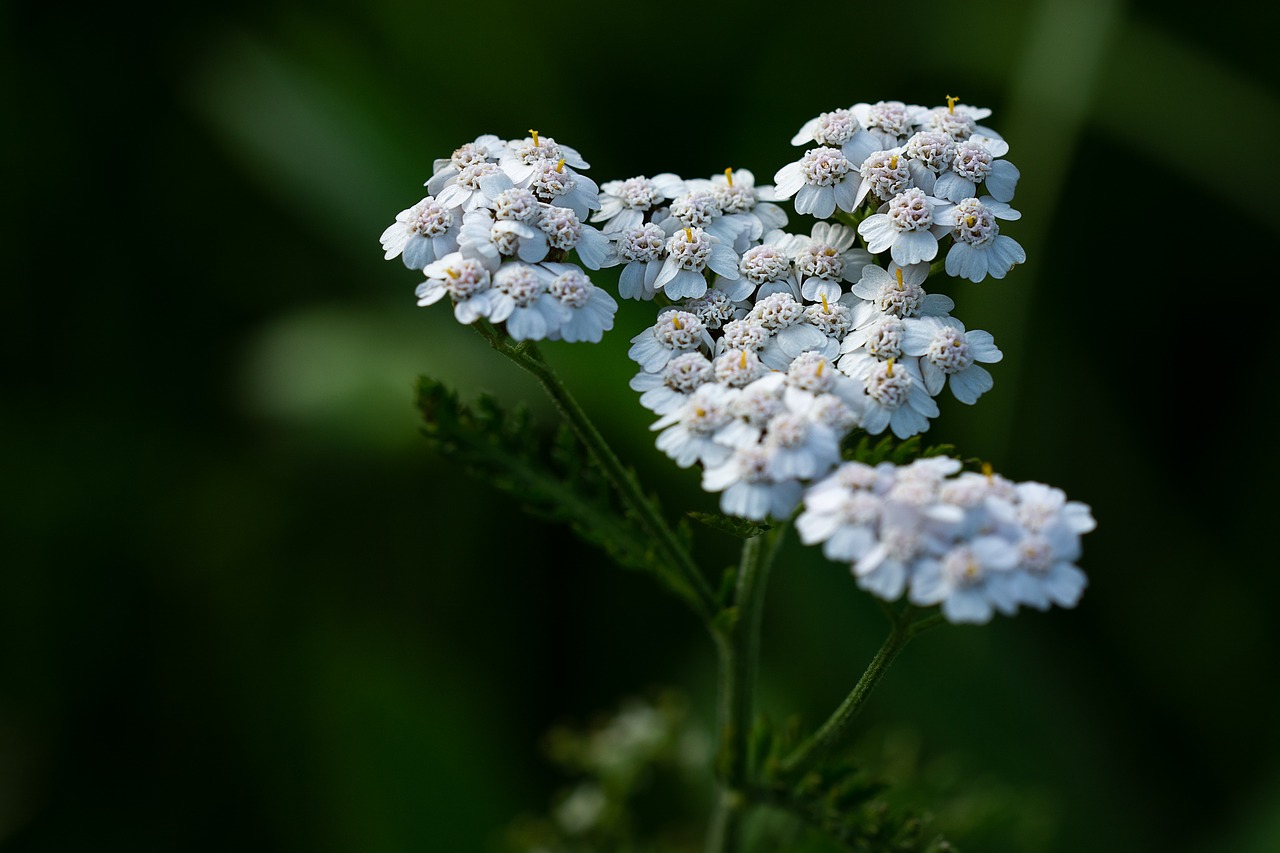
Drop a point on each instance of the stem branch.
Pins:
(693, 586)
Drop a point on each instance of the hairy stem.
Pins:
(693, 587)
(835, 730)
(738, 644)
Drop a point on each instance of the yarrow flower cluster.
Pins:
(847, 298)
(773, 347)
(976, 543)
(494, 233)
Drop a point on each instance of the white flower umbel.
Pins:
(947, 351)
(974, 164)
(465, 276)
(587, 310)
(820, 182)
(623, 204)
(975, 544)
(421, 234)
(643, 250)
(668, 390)
(690, 252)
(978, 248)
(905, 226)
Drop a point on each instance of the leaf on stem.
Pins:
(555, 478)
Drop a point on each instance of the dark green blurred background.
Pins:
(243, 607)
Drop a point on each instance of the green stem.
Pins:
(694, 587)
(836, 729)
(738, 644)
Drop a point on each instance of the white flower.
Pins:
(691, 251)
(487, 148)
(906, 227)
(929, 154)
(675, 332)
(668, 390)
(819, 181)
(623, 204)
(887, 122)
(971, 580)
(740, 199)
(688, 434)
(643, 250)
(978, 248)
(587, 310)
(825, 259)
(975, 164)
(421, 234)
(566, 231)
(839, 129)
(766, 267)
(463, 192)
(803, 448)
(884, 174)
(748, 486)
(465, 276)
(897, 291)
(521, 300)
(555, 183)
(946, 350)
(524, 158)
(896, 395)
(501, 238)
(738, 368)
(960, 122)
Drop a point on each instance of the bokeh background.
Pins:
(242, 606)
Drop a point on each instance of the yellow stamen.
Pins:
(952, 100)
(893, 162)
(688, 235)
(971, 221)
(830, 251)
(826, 309)
(889, 368)
(675, 321)
(898, 271)
(700, 412)
(560, 165)
(534, 134)
(744, 359)
(821, 365)
(728, 174)
(451, 272)
(988, 471)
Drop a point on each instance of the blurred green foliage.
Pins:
(244, 606)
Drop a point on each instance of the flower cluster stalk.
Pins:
(694, 588)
